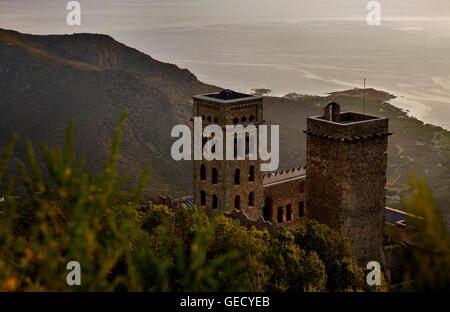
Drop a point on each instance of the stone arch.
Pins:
(215, 202)
(267, 209)
(237, 176)
(331, 112)
(302, 187)
(237, 202)
(251, 199)
(289, 212)
(247, 144)
(280, 214)
(202, 172)
(202, 198)
(251, 173)
(301, 209)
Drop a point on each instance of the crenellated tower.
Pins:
(346, 164)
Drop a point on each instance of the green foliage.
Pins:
(428, 261)
(294, 269)
(68, 214)
(251, 246)
(177, 257)
(336, 253)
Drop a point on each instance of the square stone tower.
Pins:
(346, 162)
(224, 185)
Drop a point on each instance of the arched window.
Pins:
(244, 119)
(216, 120)
(279, 214)
(251, 173)
(237, 202)
(237, 176)
(247, 144)
(301, 209)
(267, 209)
(302, 187)
(235, 120)
(288, 213)
(214, 202)
(214, 176)
(251, 199)
(202, 198)
(251, 118)
(202, 172)
(208, 119)
(203, 117)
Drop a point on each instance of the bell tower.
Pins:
(346, 162)
(224, 185)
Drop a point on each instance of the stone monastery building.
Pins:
(342, 185)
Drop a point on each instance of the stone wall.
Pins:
(282, 190)
(346, 179)
(247, 111)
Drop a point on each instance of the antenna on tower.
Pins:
(364, 97)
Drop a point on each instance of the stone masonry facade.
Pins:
(346, 177)
(285, 197)
(224, 185)
(342, 185)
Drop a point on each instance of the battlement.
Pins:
(346, 176)
(283, 175)
(346, 126)
(227, 97)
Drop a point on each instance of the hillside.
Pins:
(91, 78)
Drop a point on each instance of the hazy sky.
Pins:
(110, 16)
(304, 46)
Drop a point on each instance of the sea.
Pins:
(301, 46)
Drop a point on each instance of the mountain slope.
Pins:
(104, 52)
(91, 78)
(46, 88)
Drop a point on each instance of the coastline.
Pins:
(392, 98)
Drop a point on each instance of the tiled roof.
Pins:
(188, 202)
(394, 215)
